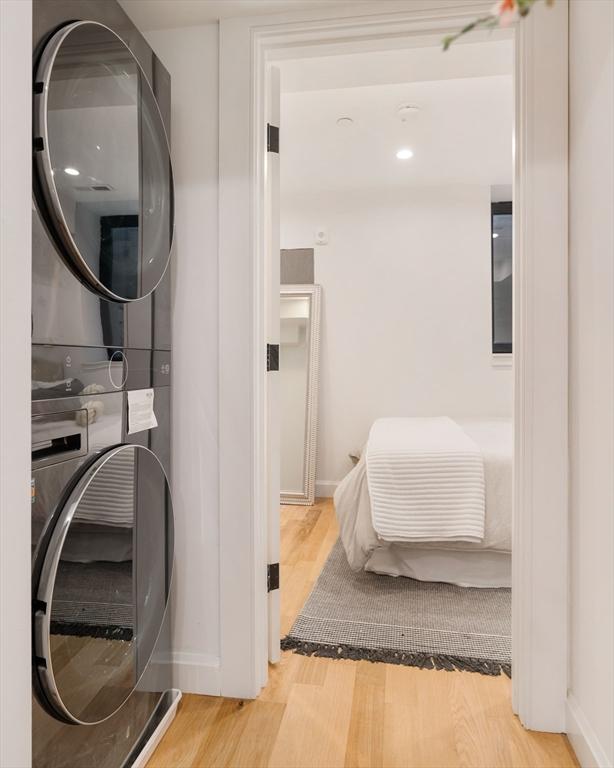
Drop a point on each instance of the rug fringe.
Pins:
(106, 631)
(387, 656)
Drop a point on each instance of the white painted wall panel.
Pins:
(592, 379)
(191, 56)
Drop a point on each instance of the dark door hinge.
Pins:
(272, 138)
(272, 357)
(272, 577)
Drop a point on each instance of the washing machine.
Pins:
(102, 526)
(102, 560)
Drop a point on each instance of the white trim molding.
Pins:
(586, 745)
(502, 360)
(156, 737)
(325, 489)
(540, 524)
(196, 673)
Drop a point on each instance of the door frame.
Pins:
(540, 496)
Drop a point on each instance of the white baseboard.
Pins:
(196, 673)
(325, 489)
(586, 745)
(156, 737)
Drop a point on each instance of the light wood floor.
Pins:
(322, 713)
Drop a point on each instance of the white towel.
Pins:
(426, 481)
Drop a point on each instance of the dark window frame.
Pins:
(505, 208)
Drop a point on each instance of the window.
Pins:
(501, 264)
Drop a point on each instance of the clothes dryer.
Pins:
(103, 188)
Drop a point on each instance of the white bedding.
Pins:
(489, 561)
(426, 481)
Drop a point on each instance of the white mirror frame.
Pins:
(307, 497)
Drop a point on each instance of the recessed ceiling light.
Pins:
(344, 122)
(71, 171)
(494, 235)
(404, 154)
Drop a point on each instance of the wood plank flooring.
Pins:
(323, 713)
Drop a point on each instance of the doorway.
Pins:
(540, 339)
(391, 164)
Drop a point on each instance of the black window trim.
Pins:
(498, 348)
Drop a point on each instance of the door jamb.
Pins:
(540, 332)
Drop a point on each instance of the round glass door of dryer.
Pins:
(103, 162)
(104, 584)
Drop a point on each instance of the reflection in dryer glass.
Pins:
(110, 161)
(112, 585)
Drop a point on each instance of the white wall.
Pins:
(191, 56)
(15, 279)
(591, 685)
(405, 309)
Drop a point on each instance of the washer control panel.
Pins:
(65, 371)
(118, 369)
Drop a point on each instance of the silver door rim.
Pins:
(43, 161)
(46, 585)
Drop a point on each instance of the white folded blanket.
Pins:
(426, 481)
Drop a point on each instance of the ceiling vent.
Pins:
(406, 111)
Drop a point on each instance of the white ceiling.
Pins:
(171, 14)
(461, 135)
(400, 65)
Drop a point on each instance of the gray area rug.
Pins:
(402, 621)
(94, 600)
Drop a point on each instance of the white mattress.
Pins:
(487, 562)
(482, 568)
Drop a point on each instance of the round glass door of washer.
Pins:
(104, 584)
(103, 170)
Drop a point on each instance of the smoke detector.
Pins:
(345, 122)
(406, 111)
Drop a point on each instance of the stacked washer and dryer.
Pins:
(102, 524)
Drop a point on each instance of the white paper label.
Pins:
(141, 414)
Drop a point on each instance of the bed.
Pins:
(383, 537)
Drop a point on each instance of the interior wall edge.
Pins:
(583, 739)
(191, 56)
(591, 377)
(15, 306)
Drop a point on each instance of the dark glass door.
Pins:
(104, 584)
(104, 176)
